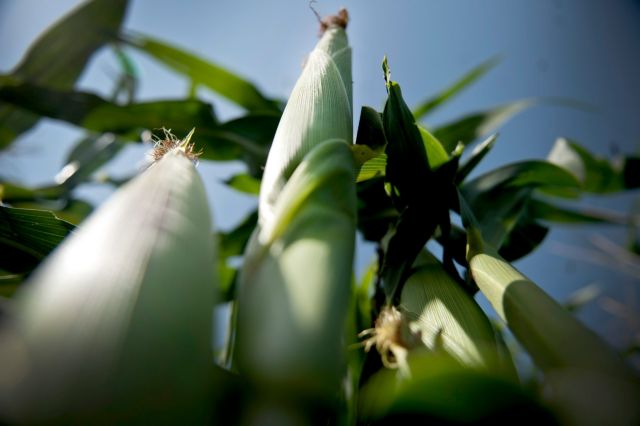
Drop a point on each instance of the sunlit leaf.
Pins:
(244, 183)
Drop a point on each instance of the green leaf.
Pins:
(97, 114)
(371, 129)
(499, 197)
(524, 174)
(407, 162)
(89, 154)
(248, 137)
(70, 210)
(436, 153)
(462, 83)
(597, 175)
(26, 237)
(202, 72)
(244, 183)
(233, 243)
(440, 391)
(467, 129)
(552, 212)
(12, 193)
(478, 153)
(58, 57)
(375, 167)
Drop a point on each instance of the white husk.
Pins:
(120, 313)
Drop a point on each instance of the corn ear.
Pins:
(448, 319)
(319, 109)
(296, 280)
(116, 324)
(587, 382)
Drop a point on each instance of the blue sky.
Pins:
(583, 50)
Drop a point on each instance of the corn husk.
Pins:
(115, 326)
(296, 280)
(447, 319)
(586, 382)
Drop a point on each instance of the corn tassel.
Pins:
(296, 281)
(115, 326)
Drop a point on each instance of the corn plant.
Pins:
(108, 319)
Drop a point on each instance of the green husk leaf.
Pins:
(448, 319)
(558, 343)
(319, 109)
(297, 273)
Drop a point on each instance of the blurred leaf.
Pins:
(205, 73)
(26, 237)
(440, 391)
(469, 128)
(11, 193)
(127, 82)
(597, 174)
(230, 244)
(244, 183)
(60, 54)
(581, 297)
(478, 153)
(91, 153)
(556, 213)
(95, 113)
(462, 83)
(248, 137)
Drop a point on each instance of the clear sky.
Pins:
(588, 50)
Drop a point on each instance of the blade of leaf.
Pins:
(469, 128)
(202, 72)
(244, 183)
(458, 86)
(478, 153)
